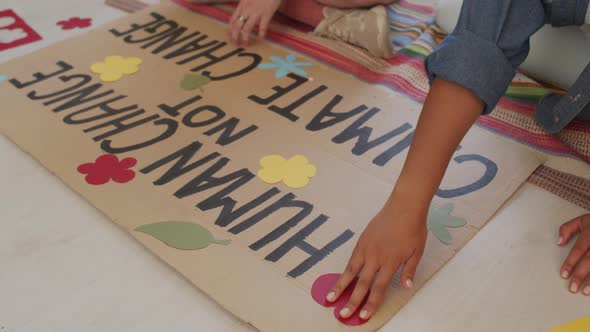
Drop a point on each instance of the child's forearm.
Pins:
(396, 236)
(448, 113)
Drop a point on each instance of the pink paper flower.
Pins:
(108, 167)
(75, 22)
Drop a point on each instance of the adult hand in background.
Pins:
(249, 14)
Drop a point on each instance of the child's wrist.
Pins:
(410, 197)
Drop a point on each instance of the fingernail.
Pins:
(564, 274)
(574, 287)
(409, 283)
(560, 241)
(365, 314)
(587, 290)
(331, 296)
(344, 312)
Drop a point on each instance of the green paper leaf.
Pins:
(194, 81)
(181, 234)
(440, 218)
(442, 234)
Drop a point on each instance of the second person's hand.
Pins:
(249, 14)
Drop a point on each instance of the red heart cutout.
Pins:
(323, 285)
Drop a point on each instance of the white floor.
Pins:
(65, 267)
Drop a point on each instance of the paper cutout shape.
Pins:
(294, 173)
(580, 325)
(323, 285)
(6, 21)
(75, 22)
(181, 234)
(440, 218)
(3, 78)
(194, 81)
(9, 36)
(115, 67)
(108, 167)
(285, 66)
(14, 31)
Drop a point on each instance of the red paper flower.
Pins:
(75, 22)
(108, 167)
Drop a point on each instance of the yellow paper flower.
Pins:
(294, 173)
(115, 66)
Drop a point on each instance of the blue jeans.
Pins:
(491, 40)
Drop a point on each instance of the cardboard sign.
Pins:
(252, 172)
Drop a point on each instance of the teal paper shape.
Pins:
(286, 66)
(3, 78)
(181, 234)
(440, 218)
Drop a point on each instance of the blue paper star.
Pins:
(285, 66)
(440, 218)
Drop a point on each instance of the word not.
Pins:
(210, 183)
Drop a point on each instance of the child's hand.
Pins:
(395, 237)
(577, 263)
(247, 15)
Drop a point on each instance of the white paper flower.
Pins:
(9, 36)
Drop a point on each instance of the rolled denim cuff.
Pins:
(475, 64)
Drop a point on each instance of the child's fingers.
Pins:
(360, 290)
(576, 254)
(582, 271)
(235, 15)
(586, 285)
(263, 26)
(378, 291)
(248, 27)
(409, 270)
(352, 270)
(236, 28)
(568, 230)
